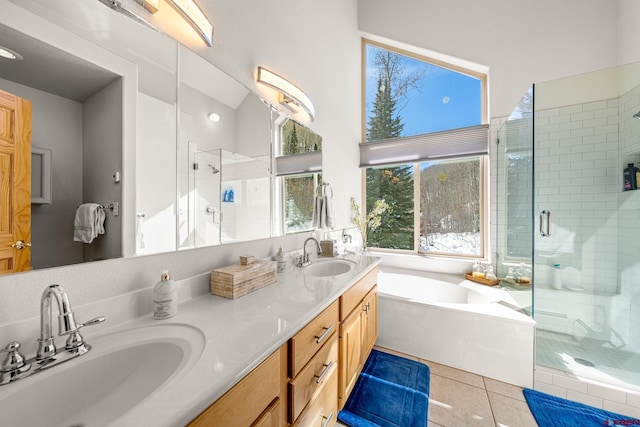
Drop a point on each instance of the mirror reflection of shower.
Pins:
(227, 191)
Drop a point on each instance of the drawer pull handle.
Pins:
(366, 307)
(324, 372)
(326, 423)
(326, 332)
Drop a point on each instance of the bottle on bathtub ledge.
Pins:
(556, 279)
(523, 275)
(489, 274)
(478, 270)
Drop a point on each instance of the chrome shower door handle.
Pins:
(545, 217)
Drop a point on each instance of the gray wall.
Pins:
(101, 157)
(56, 126)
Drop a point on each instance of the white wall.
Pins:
(628, 47)
(102, 112)
(156, 134)
(317, 47)
(521, 42)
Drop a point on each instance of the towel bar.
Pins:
(113, 207)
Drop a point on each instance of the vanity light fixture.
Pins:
(290, 96)
(7, 53)
(196, 17)
(150, 5)
(214, 117)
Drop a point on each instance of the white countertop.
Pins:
(239, 335)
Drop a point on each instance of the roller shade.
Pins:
(469, 141)
(296, 164)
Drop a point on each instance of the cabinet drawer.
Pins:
(271, 416)
(308, 341)
(352, 297)
(312, 377)
(247, 400)
(323, 408)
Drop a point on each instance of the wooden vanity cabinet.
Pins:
(310, 377)
(257, 400)
(358, 332)
(313, 371)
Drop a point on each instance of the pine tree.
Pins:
(393, 184)
(382, 123)
(292, 142)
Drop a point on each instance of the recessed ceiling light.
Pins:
(9, 54)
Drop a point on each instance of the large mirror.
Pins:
(75, 105)
(182, 150)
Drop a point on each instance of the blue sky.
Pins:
(444, 100)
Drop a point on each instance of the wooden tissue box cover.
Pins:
(235, 281)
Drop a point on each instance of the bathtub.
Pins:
(455, 322)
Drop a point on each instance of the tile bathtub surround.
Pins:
(590, 392)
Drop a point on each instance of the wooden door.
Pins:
(350, 354)
(15, 183)
(370, 323)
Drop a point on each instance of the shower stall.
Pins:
(229, 198)
(565, 211)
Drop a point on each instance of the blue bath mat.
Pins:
(391, 392)
(552, 411)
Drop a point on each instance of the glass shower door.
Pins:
(207, 218)
(584, 132)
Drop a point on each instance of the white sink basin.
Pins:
(329, 267)
(121, 370)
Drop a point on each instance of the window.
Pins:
(298, 165)
(424, 153)
(299, 191)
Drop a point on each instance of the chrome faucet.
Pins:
(304, 260)
(15, 366)
(66, 324)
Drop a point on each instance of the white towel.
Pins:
(327, 208)
(323, 214)
(89, 222)
(317, 212)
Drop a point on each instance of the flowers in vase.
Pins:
(372, 221)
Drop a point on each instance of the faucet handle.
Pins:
(14, 360)
(91, 322)
(76, 342)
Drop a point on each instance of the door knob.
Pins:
(21, 244)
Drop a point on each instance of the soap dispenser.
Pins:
(281, 260)
(165, 297)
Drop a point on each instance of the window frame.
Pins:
(483, 159)
(291, 161)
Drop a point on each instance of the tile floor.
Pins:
(459, 398)
(616, 366)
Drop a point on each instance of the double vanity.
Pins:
(286, 354)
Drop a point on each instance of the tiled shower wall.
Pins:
(594, 224)
(629, 212)
(578, 180)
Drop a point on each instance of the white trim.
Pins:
(45, 176)
(458, 62)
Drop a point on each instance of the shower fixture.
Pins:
(214, 170)
(637, 115)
